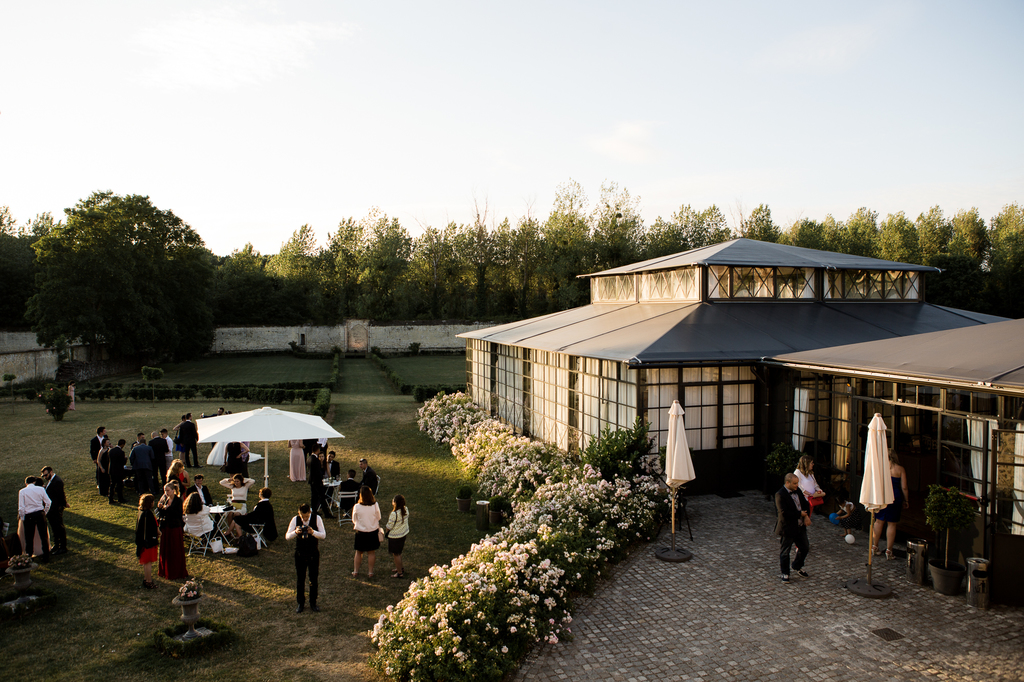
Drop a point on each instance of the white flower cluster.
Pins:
(448, 418)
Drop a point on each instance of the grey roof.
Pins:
(750, 252)
(692, 332)
(986, 354)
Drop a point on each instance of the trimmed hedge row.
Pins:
(254, 393)
(421, 392)
(323, 403)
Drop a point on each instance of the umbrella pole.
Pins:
(673, 519)
(871, 545)
(266, 464)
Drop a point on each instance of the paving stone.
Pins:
(725, 615)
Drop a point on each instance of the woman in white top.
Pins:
(805, 472)
(397, 528)
(366, 521)
(239, 487)
(197, 515)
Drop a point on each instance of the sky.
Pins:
(250, 119)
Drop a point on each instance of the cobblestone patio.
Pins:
(725, 615)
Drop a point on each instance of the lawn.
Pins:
(270, 369)
(106, 621)
(430, 369)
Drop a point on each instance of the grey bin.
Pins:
(978, 582)
(482, 519)
(917, 561)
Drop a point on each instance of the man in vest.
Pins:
(307, 529)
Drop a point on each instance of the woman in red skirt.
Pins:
(146, 540)
(172, 539)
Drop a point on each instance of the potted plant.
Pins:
(781, 460)
(464, 497)
(945, 511)
(498, 507)
(21, 566)
(189, 596)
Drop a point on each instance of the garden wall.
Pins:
(355, 336)
(21, 356)
(262, 339)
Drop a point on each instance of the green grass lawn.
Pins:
(102, 626)
(270, 369)
(430, 369)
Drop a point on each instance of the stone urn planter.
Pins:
(496, 517)
(464, 503)
(22, 576)
(189, 615)
(947, 579)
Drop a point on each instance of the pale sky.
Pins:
(249, 119)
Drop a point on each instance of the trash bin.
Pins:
(917, 561)
(482, 507)
(977, 582)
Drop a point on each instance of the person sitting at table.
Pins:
(349, 485)
(332, 469)
(261, 514)
(239, 486)
(203, 491)
(197, 515)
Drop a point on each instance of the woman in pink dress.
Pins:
(296, 461)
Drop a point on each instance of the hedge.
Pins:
(323, 403)
(421, 392)
(273, 394)
(166, 644)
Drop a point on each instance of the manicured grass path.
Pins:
(270, 369)
(102, 626)
(430, 369)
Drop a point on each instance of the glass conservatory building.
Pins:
(724, 329)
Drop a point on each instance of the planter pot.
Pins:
(947, 580)
(189, 615)
(22, 577)
(496, 517)
(464, 504)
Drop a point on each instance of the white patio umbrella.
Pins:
(875, 494)
(678, 471)
(265, 424)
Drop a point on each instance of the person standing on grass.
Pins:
(54, 487)
(307, 529)
(33, 505)
(147, 538)
(397, 529)
(103, 467)
(370, 479)
(161, 454)
(172, 538)
(143, 465)
(366, 522)
(317, 494)
(115, 470)
(94, 450)
(188, 437)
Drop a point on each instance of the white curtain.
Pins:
(801, 418)
(841, 456)
(976, 437)
(1018, 482)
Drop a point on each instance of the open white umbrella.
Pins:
(678, 471)
(265, 424)
(875, 494)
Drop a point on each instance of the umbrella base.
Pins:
(861, 587)
(676, 556)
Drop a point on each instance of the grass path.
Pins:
(104, 621)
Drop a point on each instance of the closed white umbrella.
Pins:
(875, 494)
(678, 471)
(265, 424)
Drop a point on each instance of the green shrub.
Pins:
(165, 641)
(620, 454)
(465, 493)
(782, 459)
(57, 401)
(323, 402)
(499, 504)
(947, 510)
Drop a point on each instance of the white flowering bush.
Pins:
(474, 619)
(519, 467)
(448, 418)
(486, 438)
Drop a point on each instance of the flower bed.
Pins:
(447, 418)
(477, 617)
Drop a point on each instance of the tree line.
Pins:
(120, 271)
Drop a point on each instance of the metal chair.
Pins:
(199, 536)
(257, 530)
(345, 511)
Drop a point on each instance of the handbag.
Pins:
(380, 535)
(815, 501)
(217, 546)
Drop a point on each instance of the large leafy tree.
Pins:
(568, 250)
(1007, 262)
(384, 260)
(898, 240)
(759, 225)
(121, 272)
(618, 234)
(17, 270)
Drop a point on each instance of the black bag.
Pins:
(247, 546)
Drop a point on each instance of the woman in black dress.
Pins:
(147, 537)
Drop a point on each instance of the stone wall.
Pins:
(21, 356)
(442, 336)
(262, 339)
(355, 336)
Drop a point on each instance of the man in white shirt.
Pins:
(306, 529)
(33, 504)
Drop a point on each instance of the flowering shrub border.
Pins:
(476, 617)
(450, 417)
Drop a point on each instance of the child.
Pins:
(146, 540)
(848, 516)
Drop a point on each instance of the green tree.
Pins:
(124, 273)
(687, 229)
(435, 271)
(247, 293)
(1006, 292)
(960, 284)
(933, 234)
(860, 233)
(898, 240)
(342, 267)
(969, 236)
(568, 250)
(618, 229)
(384, 259)
(758, 225)
(17, 271)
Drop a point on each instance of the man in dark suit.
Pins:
(791, 526)
(350, 485)
(142, 466)
(315, 476)
(262, 513)
(115, 470)
(160, 452)
(370, 479)
(54, 487)
(188, 436)
(200, 488)
(95, 445)
(333, 468)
